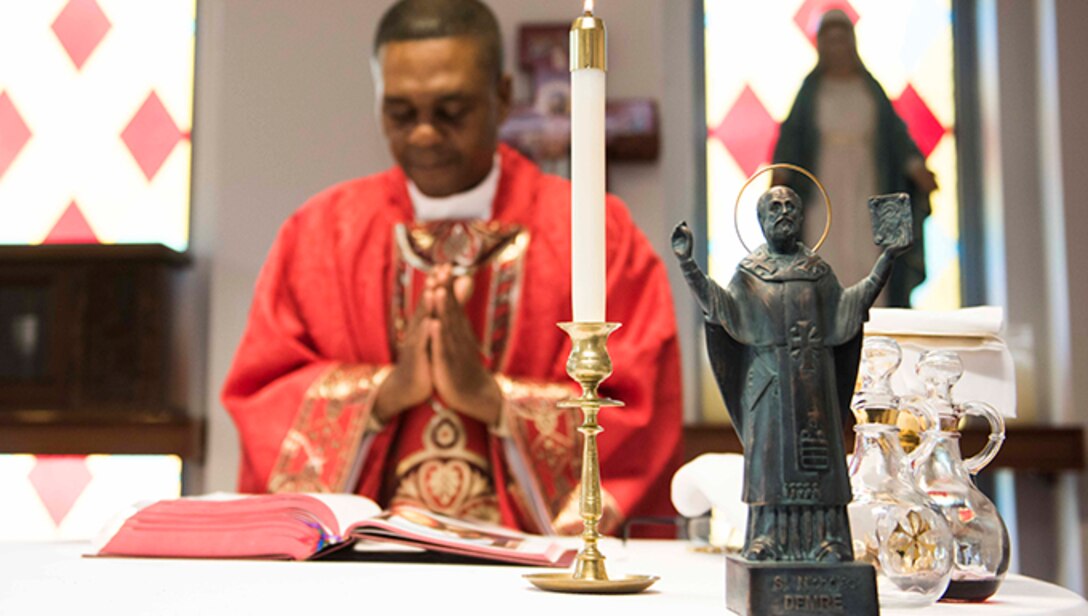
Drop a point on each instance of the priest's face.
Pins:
(441, 109)
(780, 216)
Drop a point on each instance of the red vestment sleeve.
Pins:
(641, 445)
(286, 398)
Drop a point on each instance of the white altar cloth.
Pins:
(55, 579)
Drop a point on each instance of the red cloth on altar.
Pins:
(322, 328)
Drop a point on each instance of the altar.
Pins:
(55, 578)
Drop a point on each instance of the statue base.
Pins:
(774, 588)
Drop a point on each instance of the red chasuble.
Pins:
(336, 291)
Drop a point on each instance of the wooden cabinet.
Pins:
(85, 347)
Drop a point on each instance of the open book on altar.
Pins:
(309, 526)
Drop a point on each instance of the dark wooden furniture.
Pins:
(178, 436)
(1047, 449)
(85, 350)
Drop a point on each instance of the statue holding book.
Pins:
(784, 339)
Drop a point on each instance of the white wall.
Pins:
(1064, 136)
(285, 108)
(1035, 137)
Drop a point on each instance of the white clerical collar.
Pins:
(473, 204)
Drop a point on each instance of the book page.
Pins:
(438, 532)
(349, 509)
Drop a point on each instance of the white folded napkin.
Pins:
(714, 482)
(989, 373)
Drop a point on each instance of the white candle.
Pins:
(587, 78)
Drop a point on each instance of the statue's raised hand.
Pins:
(899, 247)
(701, 286)
(682, 241)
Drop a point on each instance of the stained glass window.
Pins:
(96, 106)
(757, 54)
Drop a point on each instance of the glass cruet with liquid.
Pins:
(980, 538)
(895, 526)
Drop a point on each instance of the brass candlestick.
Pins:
(589, 365)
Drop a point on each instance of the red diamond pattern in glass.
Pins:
(59, 480)
(924, 127)
(808, 16)
(72, 228)
(748, 132)
(80, 27)
(151, 136)
(14, 133)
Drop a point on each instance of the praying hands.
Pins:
(440, 355)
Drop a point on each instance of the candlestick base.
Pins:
(566, 582)
(589, 365)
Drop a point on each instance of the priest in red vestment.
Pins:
(402, 342)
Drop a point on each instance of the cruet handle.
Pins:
(977, 462)
(927, 417)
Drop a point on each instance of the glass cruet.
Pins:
(895, 526)
(980, 538)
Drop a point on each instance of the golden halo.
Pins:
(801, 170)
